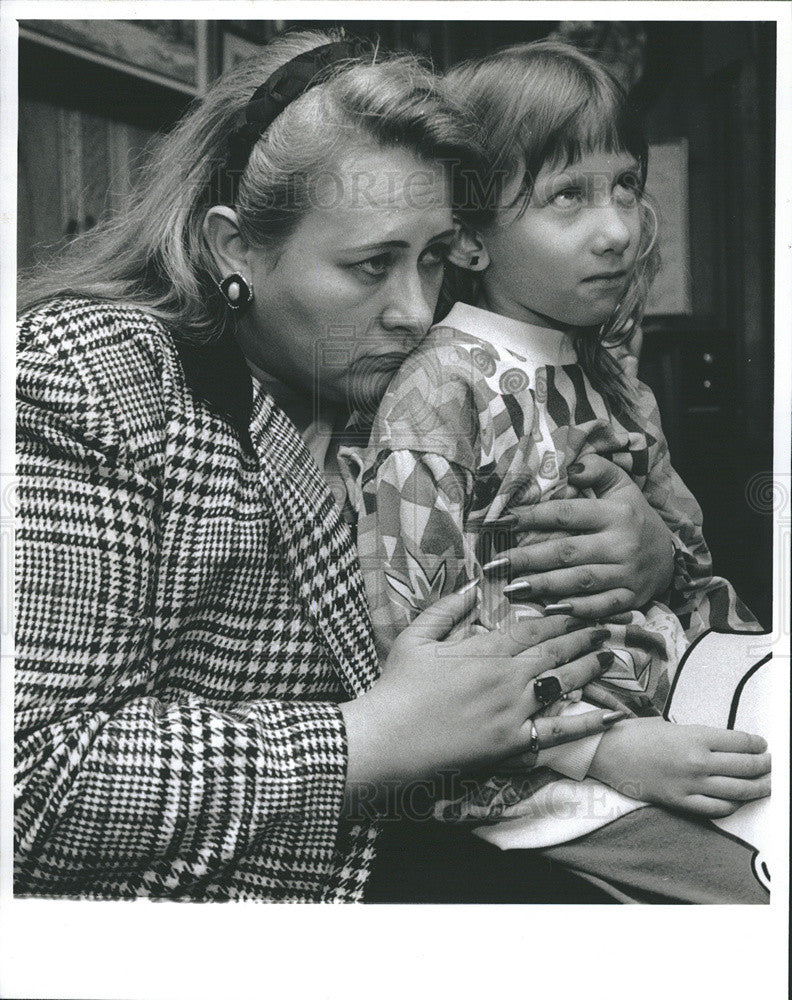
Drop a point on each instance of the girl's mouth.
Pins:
(606, 277)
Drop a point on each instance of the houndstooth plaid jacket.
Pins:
(190, 614)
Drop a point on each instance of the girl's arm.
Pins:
(699, 599)
(697, 769)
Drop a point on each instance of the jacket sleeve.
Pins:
(122, 790)
(699, 599)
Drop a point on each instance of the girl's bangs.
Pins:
(596, 126)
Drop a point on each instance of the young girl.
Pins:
(503, 399)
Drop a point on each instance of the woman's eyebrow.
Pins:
(574, 175)
(396, 244)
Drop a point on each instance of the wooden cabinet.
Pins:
(73, 167)
(92, 97)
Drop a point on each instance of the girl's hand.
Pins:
(610, 554)
(441, 706)
(710, 772)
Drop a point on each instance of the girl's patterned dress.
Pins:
(489, 413)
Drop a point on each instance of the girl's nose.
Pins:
(612, 234)
(408, 310)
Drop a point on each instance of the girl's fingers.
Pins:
(740, 765)
(566, 728)
(704, 805)
(734, 741)
(737, 789)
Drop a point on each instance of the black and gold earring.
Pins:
(236, 291)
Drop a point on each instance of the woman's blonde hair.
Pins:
(547, 103)
(154, 254)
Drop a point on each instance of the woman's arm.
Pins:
(118, 779)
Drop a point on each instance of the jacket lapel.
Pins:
(321, 557)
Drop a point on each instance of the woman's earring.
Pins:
(236, 291)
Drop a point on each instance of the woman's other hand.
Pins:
(607, 555)
(457, 705)
(698, 769)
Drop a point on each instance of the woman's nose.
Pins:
(408, 310)
(612, 232)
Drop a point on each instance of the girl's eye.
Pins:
(375, 267)
(569, 197)
(628, 190)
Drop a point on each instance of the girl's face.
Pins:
(338, 308)
(565, 260)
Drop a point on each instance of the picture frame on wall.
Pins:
(236, 49)
(667, 186)
(162, 52)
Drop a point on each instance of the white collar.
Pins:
(539, 343)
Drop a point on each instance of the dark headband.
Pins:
(286, 84)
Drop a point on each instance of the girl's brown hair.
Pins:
(547, 103)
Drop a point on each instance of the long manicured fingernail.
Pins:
(554, 609)
(610, 717)
(605, 658)
(507, 521)
(575, 468)
(500, 563)
(467, 588)
(575, 624)
(599, 635)
(517, 585)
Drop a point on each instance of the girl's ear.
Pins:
(468, 250)
(221, 232)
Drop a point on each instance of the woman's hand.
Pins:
(441, 706)
(610, 554)
(697, 769)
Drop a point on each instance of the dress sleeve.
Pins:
(411, 538)
(123, 790)
(699, 599)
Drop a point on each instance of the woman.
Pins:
(200, 711)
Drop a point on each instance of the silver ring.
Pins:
(533, 746)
